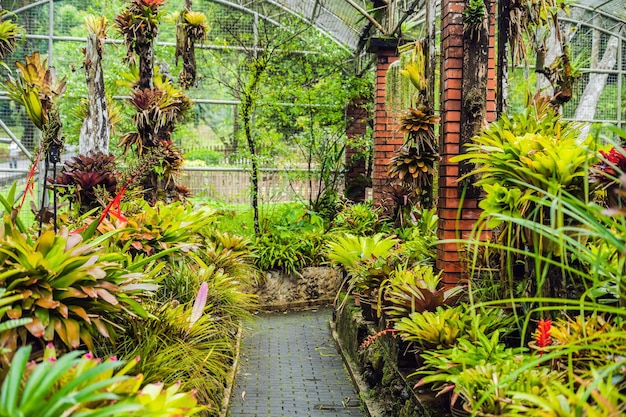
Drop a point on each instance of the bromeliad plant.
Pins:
(81, 177)
(191, 27)
(416, 289)
(69, 289)
(367, 260)
(9, 32)
(442, 328)
(83, 386)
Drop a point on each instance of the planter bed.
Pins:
(382, 384)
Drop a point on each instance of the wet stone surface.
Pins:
(289, 367)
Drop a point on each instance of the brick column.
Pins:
(456, 218)
(387, 137)
(356, 165)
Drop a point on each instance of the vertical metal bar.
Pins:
(50, 31)
(620, 74)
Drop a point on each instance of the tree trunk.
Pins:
(586, 109)
(95, 131)
(546, 56)
(248, 103)
(474, 90)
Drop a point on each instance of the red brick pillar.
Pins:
(357, 178)
(456, 217)
(387, 137)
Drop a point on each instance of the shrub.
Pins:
(208, 156)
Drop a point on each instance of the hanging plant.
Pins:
(411, 166)
(419, 125)
(474, 16)
(191, 27)
(9, 32)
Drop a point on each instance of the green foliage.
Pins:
(85, 387)
(208, 156)
(419, 238)
(442, 328)
(173, 349)
(416, 289)
(350, 251)
(152, 229)
(361, 219)
(442, 367)
(67, 288)
(290, 239)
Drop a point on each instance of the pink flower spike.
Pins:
(198, 304)
(88, 355)
(113, 358)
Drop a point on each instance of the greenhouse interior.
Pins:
(285, 208)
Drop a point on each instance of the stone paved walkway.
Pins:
(289, 367)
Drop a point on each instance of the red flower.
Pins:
(30, 180)
(542, 334)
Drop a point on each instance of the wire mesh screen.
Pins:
(598, 91)
(209, 137)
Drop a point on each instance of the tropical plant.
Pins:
(38, 89)
(418, 124)
(180, 343)
(592, 341)
(411, 166)
(600, 393)
(360, 219)
(191, 27)
(487, 388)
(81, 176)
(83, 386)
(348, 251)
(442, 328)
(68, 288)
(419, 237)
(416, 289)
(149, 230)
(442, 367)
(9, 32)
(290, 239)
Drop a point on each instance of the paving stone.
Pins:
(289, 367)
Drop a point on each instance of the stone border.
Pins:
(372, 409)
(232, 375)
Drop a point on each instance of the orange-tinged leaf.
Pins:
(60, 330)
(107, 296)
(35, 327)
(90, 291)
(15, 313)
(80, 312)
(71, 293)
(47, 303)
(73, 332)
(86, 337)
(62, 309)
(102, 328)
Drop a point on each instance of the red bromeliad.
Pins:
(542, 334)
(114, 207)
